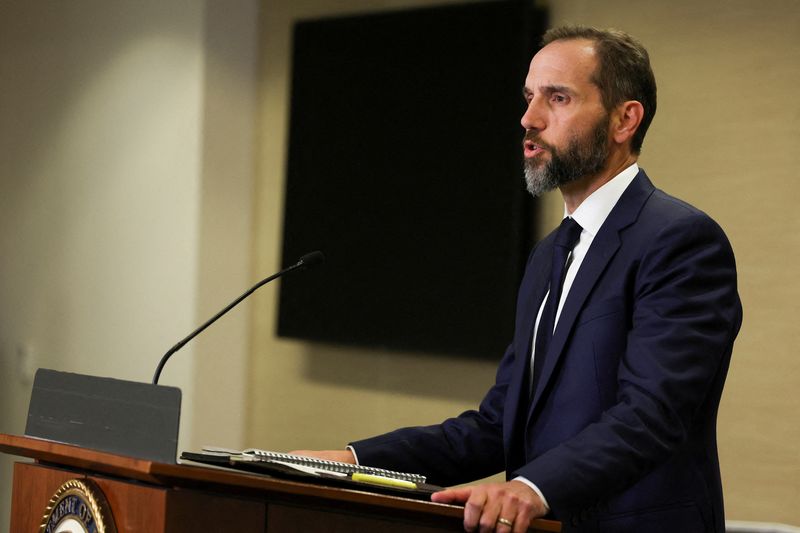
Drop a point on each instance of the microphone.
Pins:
(309, 260)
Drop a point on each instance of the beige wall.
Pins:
(725, 138)
(96, 241)
(224, 260)
(126, 141)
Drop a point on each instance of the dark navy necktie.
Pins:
(566, 237)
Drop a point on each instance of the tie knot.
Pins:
(568, 233)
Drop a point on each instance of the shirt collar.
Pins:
(594, 210)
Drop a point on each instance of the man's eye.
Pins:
(560, 99)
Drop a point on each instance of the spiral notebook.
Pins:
(255, 455)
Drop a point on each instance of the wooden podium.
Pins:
(152, 497)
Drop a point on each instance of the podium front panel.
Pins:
(135, 506)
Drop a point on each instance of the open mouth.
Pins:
(531, 149)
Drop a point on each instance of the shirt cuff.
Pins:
(533, 487)
(355, 456)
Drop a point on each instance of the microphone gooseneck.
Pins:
(309, 260)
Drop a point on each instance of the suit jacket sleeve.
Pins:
(459, 450)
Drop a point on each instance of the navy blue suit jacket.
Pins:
(621, 433)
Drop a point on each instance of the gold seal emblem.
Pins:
(78, 506)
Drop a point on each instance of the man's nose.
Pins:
(533, 118)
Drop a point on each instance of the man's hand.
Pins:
(343, 456)
(500, 507)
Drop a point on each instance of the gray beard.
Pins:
(581, 158)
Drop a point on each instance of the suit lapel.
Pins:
(603, 248)
(532, 291)
(540, 274)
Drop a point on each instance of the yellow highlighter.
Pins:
(382, 480)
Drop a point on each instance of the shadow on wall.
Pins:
(423, 375)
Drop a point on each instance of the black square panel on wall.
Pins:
(404, 168)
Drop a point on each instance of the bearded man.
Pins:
(603, 413)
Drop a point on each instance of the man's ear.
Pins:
(627, 117)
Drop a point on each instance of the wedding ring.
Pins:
(505, 522)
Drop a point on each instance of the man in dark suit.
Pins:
(603, 413)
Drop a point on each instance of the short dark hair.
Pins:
(623, 72)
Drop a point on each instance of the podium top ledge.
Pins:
(191, 476)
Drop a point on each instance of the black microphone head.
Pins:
(312, 259)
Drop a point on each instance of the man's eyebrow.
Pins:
(548, 90)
